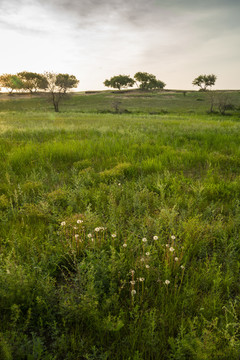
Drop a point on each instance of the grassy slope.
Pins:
(140, 176)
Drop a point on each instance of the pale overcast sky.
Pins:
(176, 40)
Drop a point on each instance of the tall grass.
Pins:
(119, 236)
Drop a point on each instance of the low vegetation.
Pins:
(119, 232)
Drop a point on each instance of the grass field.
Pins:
(119, 233)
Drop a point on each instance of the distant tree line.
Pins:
(144, 80)
(55, 85)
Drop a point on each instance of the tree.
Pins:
(33, 81)
(148, 81)
(58, 85)
(11, 82)
(119, 81)
(205, 81)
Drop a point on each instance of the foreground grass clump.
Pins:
(119, 236)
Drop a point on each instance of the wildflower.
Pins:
(144, 240)
(114, 235)
(75, 228)
(172, 249)
(79, 221)
(176, 258)
(182, 267)
(119, 184)
(76, 236)
(167, 282)
(141, 279)
(167, 245)
(132, 272)
(142, 259)
(97, 229)
(89, 236)
(173, 237)
(155, 237)
(125, 245)
(147, 253)
(147, 266)
(133, 292)
(63, 223)
(132, 282)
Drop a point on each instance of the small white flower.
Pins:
(132, 272)
(182, 267)
(167, 245)
(172, 249)
(155, 237)
(97, 229)
(167, 282)
(133, 292)
(141, 279)
(114, 235)
(76, 236)
(89, 236)
(147, 253)
(119, 184)
(124, 245)
(63, 223)
(75, 228)
(79, 221)
(173, 237)
(176, 258)
(144, 240)
(142, 259)
(147, 266)
(132, 282)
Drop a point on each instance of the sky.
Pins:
(176, 40)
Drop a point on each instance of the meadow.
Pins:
(119, 228)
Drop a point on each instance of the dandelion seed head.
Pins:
(76, 236)
(89, 235)
(132, 272)
(155, 237)
(144, 240)
(142, 259)
(63, 223)
(176, 259)
(97, 229)
(79, 221)
(133, 292)
(141, 279)
(114, 235)
(167, 245)
(124, 245)
(167, 282)
(172, 249)
(173, 237)
(132, 282)
(147, 253)
(182, 267)
(75, 228)
(147, 266)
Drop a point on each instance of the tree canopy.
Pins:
(58, 85)
(11, 82)
(205, 81)
(148, 81)
(119, 81)
(32, 81)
